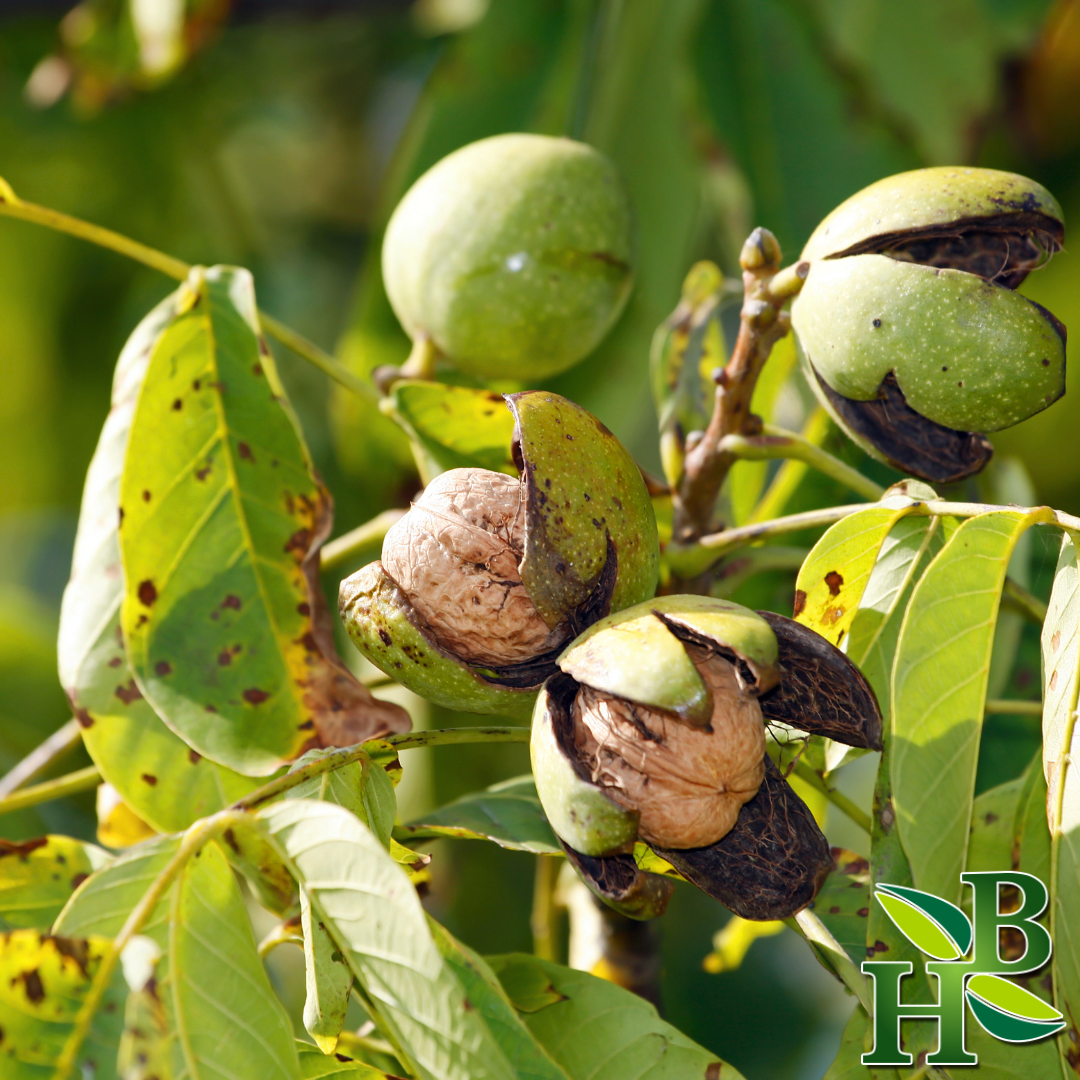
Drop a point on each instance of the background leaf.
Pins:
(843, 902)
(224, 617)
(508, 813)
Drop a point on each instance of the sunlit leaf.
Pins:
(371, 911)
(939, 689)
(37, 878)
(994, 827)
(598, 1031)
(933, 925)
(508, 813)
(224, 616)
(154, 771)
(1061, 751)
(458, 428)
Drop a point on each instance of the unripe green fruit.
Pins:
(908, 326)
(512, 255)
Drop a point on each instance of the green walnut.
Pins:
(654, 731)
(486, 578)
(512, 255)
(908, 325)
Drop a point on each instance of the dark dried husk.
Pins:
(621, 884)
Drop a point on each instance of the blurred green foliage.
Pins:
(283, 144)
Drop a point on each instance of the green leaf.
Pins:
(508, 813)
(223, 614)
(37, 878)
(43, 983)
(372, 913)
(155, 772)
(457, 427)
(933, 925)
(598, 1031)
(939, 689)
(843, 902)
(315, 1065)
(529, 1060)
(146, 1045)
(1061, 750)
(363, 787)
(329, 982)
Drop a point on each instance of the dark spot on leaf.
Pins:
(880, 946)
(197, 384)
(147, 593)
(163, 668)
(224, 658)
(307, 725)
(210, 708)
(386, 638)
(150, 779)
(116, 661)
(713, 1071)
(299, 542)
(256, 369)
(800, 602)
(834, 910)
(230, 838)
(342, 1057)
(1045, 363)
(231, 601)
(834, 581)
(466, 1002)
(945, 367)
(128, 694)
(863, 911)
(177, 405)
(146, 496)
(77, 880)
(204, 472)
(308, 642)
(560, 568)
(304, 608)
(254, 696)
(84, 718)
(31, 980)
(245, 451)
(194, 757)
(877, 323)
(990, 818)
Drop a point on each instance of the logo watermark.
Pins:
(967, 965)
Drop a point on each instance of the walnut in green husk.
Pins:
(654, 731)
(909, 327)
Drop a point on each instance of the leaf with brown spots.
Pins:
(233, 555)
(121, 731)
(37, 878)
(43, 983)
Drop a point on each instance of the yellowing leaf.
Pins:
(228, 634)
(118, 826)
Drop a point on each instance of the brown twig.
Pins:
(763, 322)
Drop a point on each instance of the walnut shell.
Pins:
(687, 783)
(455, 555)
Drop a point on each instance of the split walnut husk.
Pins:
(488, 575)
(654, 731)
(909, 327)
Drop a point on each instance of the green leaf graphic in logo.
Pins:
(1009, 1012)
(935, 926)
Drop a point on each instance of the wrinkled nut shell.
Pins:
(688, 784)
(455, 555)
